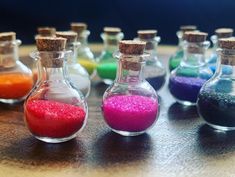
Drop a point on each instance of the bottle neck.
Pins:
(74, 48)
(9, 54)
(83, 38)
(179, 35)
(194, 53)
(130, 69)
(214, 40)
(111, 41)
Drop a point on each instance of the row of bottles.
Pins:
(56, 109)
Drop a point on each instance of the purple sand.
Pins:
(185, 88)
(130, 113)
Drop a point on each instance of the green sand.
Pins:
(107, 70)
(175, 60)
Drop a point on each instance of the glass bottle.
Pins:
(55, 111)
(85, 56)
(216, 100)
(154, 72)
(175, 59)
(107, 65)
(219, 33)
(187, 79)
(77, 74)
(16, 79)
(130, 105)
(43, 32)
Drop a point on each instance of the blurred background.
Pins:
(23, 16)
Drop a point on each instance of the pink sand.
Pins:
(130, 113)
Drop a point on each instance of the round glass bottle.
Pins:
(216, 100)
(77, 74)
(16, 79)
(175, 59)
(54, 111)
(187, 79)
(130, 105)
(85, 56)
(219, 34)
(154, 72)
(107, 65)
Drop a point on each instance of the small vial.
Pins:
(154, 72)
(130, 105)
(85, 55)
(107, 65)
(55, 111)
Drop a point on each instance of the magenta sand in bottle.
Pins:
(132, 113)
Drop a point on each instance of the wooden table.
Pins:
(180, 144)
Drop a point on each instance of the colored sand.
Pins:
(156, 82)
(217, 108)
(130, 113)
(53, 119)
(81, 82)
(107, 70)
(87, 64)
(175, 60)
(227, 70)
(185, 88)
(15, 85)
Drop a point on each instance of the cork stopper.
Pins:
(227, 43)
(130, 47)
(195, 36)
(7, 36)
(46, 31)
(224, 32)
(112, 30)
(78, 27)
(50, 45)
(147, 34)
(185, 28)
(69, 35)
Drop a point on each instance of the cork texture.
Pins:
(78, 27)
(227, 43)
(69, 35)
(195, 36)
(7, 36)
(185, 28)
(224, 32)
(147, 34)
(112, 30)
(46, 31)
(132, 47)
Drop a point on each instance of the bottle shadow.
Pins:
(32, 152)
(212, 142)
(100, 88)
(11, 106)
(111, 148)
(178, 111)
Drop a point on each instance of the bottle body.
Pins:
(188, 78)
(216, 101)
(130, 105)
(16, 79)
(55, 111)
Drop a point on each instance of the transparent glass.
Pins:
(154, 71)
(130, 105)
(15, 78)
(55, 111)
(175, 59)
(216, 100)
(85, 55)
(187, 79)
(78, 76)
(107, 65)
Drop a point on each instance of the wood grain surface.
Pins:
(180, 144)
